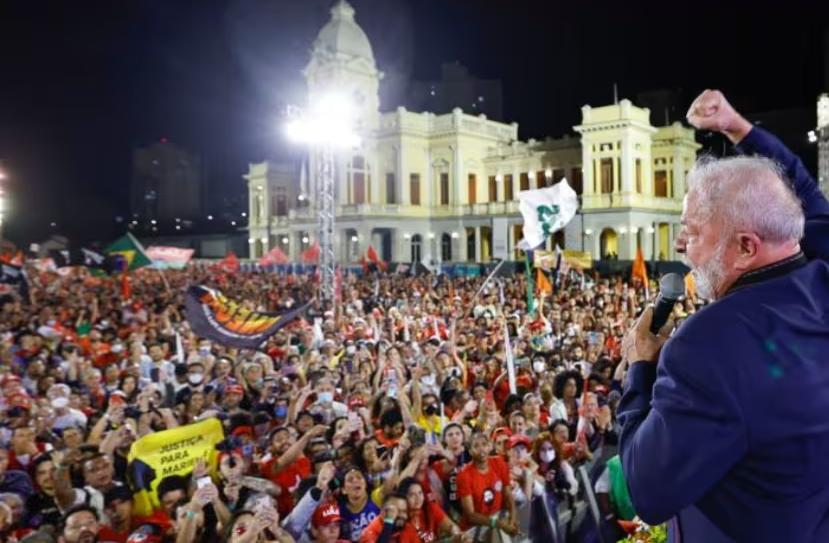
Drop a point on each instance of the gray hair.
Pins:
(747, 193)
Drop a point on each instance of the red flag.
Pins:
(311, 255)
(126, 289)
(274, 256)
(372, 256)
(230, 263)
(639, 270)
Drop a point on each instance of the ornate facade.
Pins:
(438, 188)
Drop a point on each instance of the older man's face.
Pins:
(704, 248)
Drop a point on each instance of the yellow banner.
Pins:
(546, 260)
(171, 452)
(582, 260)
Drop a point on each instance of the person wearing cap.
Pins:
(522, 467)
(484, 490)
(232, 398)
(325, 523)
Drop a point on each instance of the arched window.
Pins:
(446, 248)
(608, 246)
(417, 241)
(470, 244)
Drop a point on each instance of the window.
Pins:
(639, 176)
(508, 192)
(576, 180)
(416, 244)
(358, 172)
(558, 175)
(472, 188)
(607, 175)
(470, 244)
(540, 181)
(493, 189)
(524, 181)
(660, 183)
(280, 205)
(414, 189)
(446, 247)
(444, 189)
(358, 184)
(391, 195)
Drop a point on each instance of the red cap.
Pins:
(241, 430)
(499, 431)
(20, 399)
(327, 513)
(9, 378)
(235, 389)
(519, 439)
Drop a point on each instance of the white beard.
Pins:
(709, 276)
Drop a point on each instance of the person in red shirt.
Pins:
(426, 517)
(286, 466)
(483, 488)
(392, 526)
(118, 504)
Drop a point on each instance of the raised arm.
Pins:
(711, 111)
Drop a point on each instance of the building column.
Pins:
(627, 163)
(478, 242)
(459, 184)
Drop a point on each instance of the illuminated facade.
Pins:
(437, 188)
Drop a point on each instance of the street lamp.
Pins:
(326, 125)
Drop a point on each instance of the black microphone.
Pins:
(671, 289)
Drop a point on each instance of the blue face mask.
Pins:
(325, 397)
(280, 411)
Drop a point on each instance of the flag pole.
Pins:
(164, 279)
(530, 283)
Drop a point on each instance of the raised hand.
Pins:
(711, 111)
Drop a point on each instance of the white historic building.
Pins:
(434, 188)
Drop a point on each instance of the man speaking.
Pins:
(725, 425)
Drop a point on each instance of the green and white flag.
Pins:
(546, 211)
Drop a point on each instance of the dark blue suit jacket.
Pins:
(728, 436)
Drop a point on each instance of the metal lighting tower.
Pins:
(326, 221)
(326, 125)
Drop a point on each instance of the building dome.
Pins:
(342, 35)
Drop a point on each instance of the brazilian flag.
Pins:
(125, 254)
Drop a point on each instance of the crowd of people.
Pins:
(391, 418)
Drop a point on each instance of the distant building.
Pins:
(457, 88)
(434, 188)
(168, 182)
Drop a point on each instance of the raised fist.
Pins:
(711, 111)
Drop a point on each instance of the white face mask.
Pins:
(195, 378)
(60, 403)
(539, 367)
(547, 456)
(428, 380)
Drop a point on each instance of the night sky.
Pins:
(84, 82)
